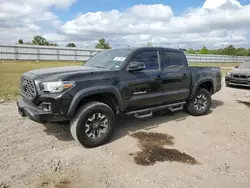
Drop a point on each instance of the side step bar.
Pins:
(144, 113)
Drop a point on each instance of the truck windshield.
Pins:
(108, 59)
(245, 65)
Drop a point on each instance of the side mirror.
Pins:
(236, 66)
(136, 66)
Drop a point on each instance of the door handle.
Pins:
(184, 75)
(158, 77)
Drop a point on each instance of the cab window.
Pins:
(173, 60)
(150, 58)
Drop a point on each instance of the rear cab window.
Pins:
(171, 59)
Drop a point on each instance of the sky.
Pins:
(170, 23)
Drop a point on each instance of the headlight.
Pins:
(229, 74)
(56, 87)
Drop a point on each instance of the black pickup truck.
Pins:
(125, 81)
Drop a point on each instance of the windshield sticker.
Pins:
(119, 58)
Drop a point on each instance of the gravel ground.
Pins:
(34, 155)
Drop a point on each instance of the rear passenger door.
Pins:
(175, 75)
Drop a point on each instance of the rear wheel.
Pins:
(200, 104)
(93, 124)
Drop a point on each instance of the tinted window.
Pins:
(150, 58)
(173, 60)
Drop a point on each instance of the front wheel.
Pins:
(93, 124)
(200, 104)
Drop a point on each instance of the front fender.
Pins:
(198, 83)
(92, 91)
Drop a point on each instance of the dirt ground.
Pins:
(209, 151)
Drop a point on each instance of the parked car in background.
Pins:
(239, 76)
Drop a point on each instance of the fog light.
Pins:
(46, 107)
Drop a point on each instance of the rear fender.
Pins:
(200, 82)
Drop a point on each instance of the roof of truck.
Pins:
(144, 48)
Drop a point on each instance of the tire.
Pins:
(195, 109)
(81, 123)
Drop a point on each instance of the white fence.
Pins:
(52, 53)
(45, 53)
(216, 58)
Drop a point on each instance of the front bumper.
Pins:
(237, 82)
(36, 114)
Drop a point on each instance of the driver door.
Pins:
(143, 87)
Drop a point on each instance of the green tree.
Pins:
(71, 45)
(212, 51)
(190, 51)
(248, 52)
(149, 44)
(204, 50)
(219, 51)
(102, 44)
(20, 41)
(53, 44)
(39, 40)
(241, 52)
(229, 50)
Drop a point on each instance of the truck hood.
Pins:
(60, 70)
(241, 71)
(62, 73)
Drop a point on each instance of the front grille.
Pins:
(27, 88)
(240, 76)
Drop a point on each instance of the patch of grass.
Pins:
(10, 73)
(213, 64)
(225, 71)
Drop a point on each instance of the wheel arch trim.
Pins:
(93, 91)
